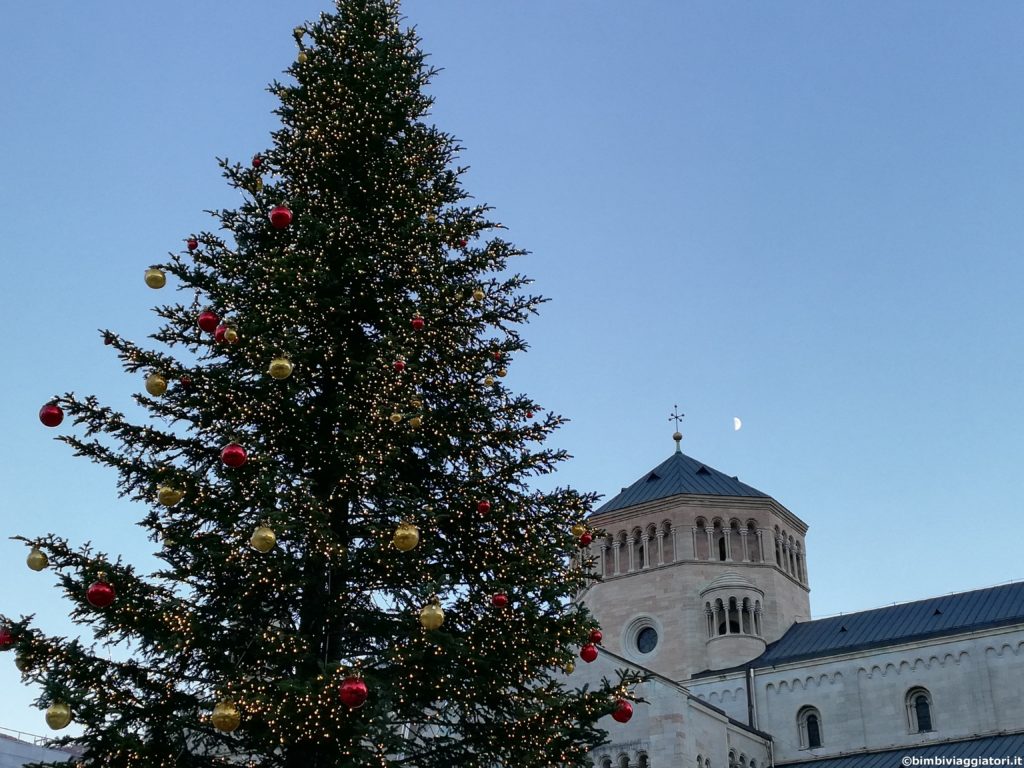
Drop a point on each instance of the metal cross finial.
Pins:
(677, 417)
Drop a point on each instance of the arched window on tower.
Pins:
(637, 555)
(642, 761)
(753, 545)
(701, 544)
(735, 543)
(792, 557)
(623, 559)
(668, 543)
(606, 762)
(719, 537)
(778, 548)
(700, 761)
(919, 710)
(808, 721)
(732, 759)
(609, 557)
(624, 761)
(651, 547)
(757, 618)
(731, 614)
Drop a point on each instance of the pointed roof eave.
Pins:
(679, 475)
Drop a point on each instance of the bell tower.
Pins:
(700, 571)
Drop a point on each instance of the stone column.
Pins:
(693, 537)
(727, 533)
(743, 546)
(616, 546)
(645, 551)
(661, 546)
(604, 559)
(629, 546)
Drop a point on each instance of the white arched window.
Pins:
(641, 761)
(808, 723)
(700, 761)
(919, 710)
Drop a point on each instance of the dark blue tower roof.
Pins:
(676, 475)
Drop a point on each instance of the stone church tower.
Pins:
(700, 570)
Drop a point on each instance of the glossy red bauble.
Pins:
(418, 323)
(192, 244)
(462, 243)
(529, 414)
(185, 381)
(51, 415)
(595, 636)
(585, 539)
(256, 161)
(233, 455)
(588, 652)
(483, 507)
(499, 600)
(280, 217)
(399, 365)
(623, 711)
(218, 333)
(100, 594)
(208, 321)
(6, 639)
(353, 692)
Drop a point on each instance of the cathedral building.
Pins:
(705, 587)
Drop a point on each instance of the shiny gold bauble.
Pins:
(431, 616)
(431, 218)
(280, 368)
(263, 539)
(569, 667)
(416, 403)
(37, 560)
(489, 381)
(169, 496)
(578, 530)
(406, 537)
(478, 294)
(395, 418)
(302, 57)
(155, 277)
(503, 372)
(299, 31)
(226, 716)
(258, 183)
(230, 335)
(415, 421)
(156, 384)
(58, 716)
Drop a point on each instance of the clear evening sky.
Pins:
(807, 215)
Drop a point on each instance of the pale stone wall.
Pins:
(15, 753)
(976, 683)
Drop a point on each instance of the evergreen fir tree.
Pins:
(357, 570)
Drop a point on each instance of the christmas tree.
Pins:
(357, 570)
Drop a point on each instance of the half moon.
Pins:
(736, 423)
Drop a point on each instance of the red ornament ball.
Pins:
(233, 455)
(218, 334)
(256, 161)
(280, 217)
(588, 652)
(185, 381)
(418, 323)
(585, 539)
(399, 365)
(595, 636)
(6, 639)
(529, 414)
(483, 507)
(192, 244)
(499, 600)
(353, 692)
(463, 243)
(51, 415)
(100, 594)
(208, 321)
(623, 711)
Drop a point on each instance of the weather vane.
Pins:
(677, 417)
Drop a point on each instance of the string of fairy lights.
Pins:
(356, 565)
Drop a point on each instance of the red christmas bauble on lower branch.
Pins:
(6, 639)
(595, 636)
(499, 600)
(353, 692)
(208, 321)
(588, 652)
(280, 217)
(100, 593)
(623, 711)
(233, 455)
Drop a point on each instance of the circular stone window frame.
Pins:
(632, 632)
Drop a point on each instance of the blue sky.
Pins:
(806, 215)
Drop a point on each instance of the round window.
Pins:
(646, 639)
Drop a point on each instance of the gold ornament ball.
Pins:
(489, 381)
(431, 218)
(37, 560)
(155, 278)
(169, 496)
(58, 716)
(263, 539)
(578, 530)
(280, 368)
(570, 667)
(431, 616)
(156, 384)
(226, 716)
(258, 184)
(395, 418)
(299, 31)
(503, 372)
(406, 537)
(478, 294)
(302, 57)
(416, 403)
(415, 421)
(230, 335)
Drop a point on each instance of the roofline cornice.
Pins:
(704, 500)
